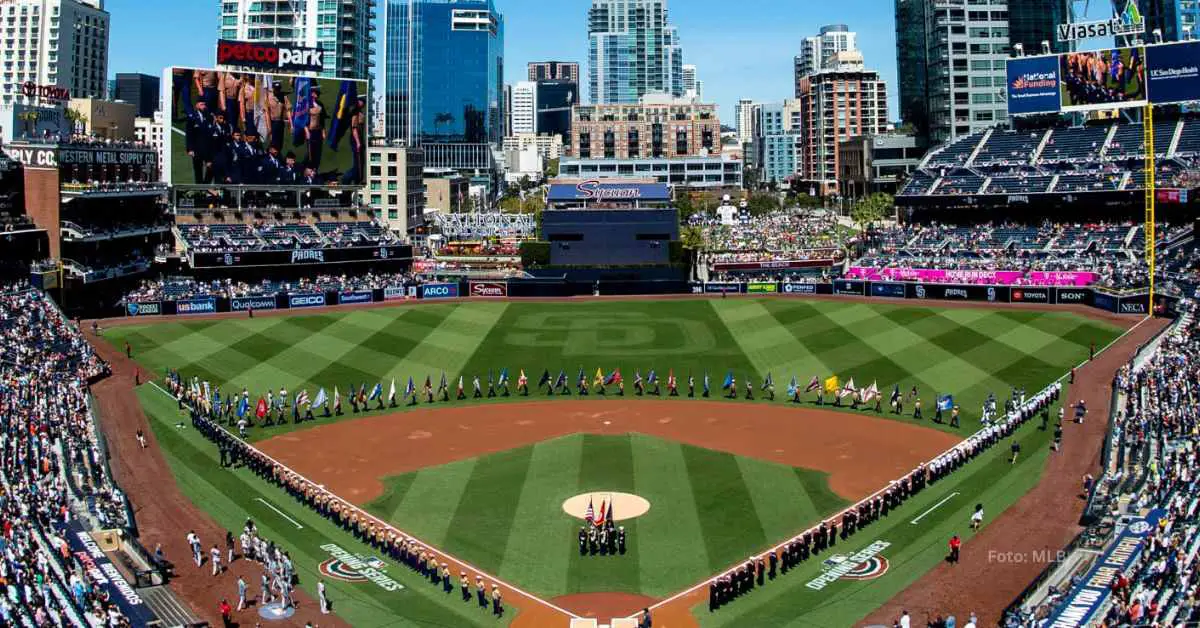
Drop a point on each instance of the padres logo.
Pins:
(338, 570)
(869, 569)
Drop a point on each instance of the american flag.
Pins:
(591, 513)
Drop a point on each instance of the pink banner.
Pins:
(994, 277)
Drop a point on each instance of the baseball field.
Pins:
(486, 481)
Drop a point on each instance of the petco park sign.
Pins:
(270, 56)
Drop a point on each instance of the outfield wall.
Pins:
(1120, 303)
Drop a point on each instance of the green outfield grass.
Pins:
(716, 507)
(504, 511)
(964, 352)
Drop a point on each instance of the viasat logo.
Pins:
(1131, 15)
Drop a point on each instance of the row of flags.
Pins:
(607, 514)
(362, 396)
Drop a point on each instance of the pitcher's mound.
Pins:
(625, 506)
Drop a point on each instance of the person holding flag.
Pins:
(638, 387)
(749, 389)
(503, 383)
(322, 401)
(477, 389)
(353, 399)
(769, 387)
(362, 396)
(428, 389)
(897, 399)
(615, 378)
(793, 390)
(691, 386)
(243, 409)
(944, 403)
(376, 396)
(523, 384)
(652, 378)
(262, 412)
(392, 394)
(598, 382)
(444, 388)
(706, 385)
(872, 394)
(337, 402)
(459, 393)
(672, 385)
(561, 383)
(410, 392)
(544, 380)
(583, 384)
(302, 399)
(730, 385)
(847, 391)
(491, 385)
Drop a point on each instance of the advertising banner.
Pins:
(361, 296)
(205, 305)
(775, 264)
(891, 290)
(995, 277)
(762, 287)
(489, 288)
(299, 257)
(723, 287)
(594, 190)
(144, 308)
(1030, 295)
(268, 56)
(331, 108)
(315, 299)
(958, 292)
(1104, 301)
(1068, 296)
(241, 304)
(1062, 278)
(1173, 72)
(799, 288)
(1033, 85)
(843, 286)
(439, 290)
(1134, 305)
(105, 574)
(1092, 591)
(395, 293)
(1103, 79)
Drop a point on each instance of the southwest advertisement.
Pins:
(246, 128)
(1033, 85)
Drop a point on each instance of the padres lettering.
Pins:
(308, 255)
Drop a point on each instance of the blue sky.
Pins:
(742, 48)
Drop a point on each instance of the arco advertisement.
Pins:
(439, 290)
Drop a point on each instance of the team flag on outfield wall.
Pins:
(848, 389)
(728, 380)
(590, 515)
(945, 402)
(831, 385)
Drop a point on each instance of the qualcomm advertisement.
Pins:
(1033, 85)
(306, 300)
(439, 290)
(241, 304)
(1174, 72)
(207, 305)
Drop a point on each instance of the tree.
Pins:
(77, 119)
(683, 203)
(551, 168)
(871, 209)
(762, 203)
(692, 238)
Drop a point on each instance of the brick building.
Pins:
(653, 128)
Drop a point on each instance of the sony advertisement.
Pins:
(248, 128)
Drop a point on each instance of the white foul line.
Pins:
(933, 508)
(281, 513)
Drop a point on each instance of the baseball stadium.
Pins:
(235, 389)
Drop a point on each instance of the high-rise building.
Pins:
(524, 108)
(693, 87)
(149, 130)
(54, 42)
(554, 102)
(778, 148)
(951, 57)
(633, 51)
(554, 71)
(344, 29)
(395, 180)
(746, 113)
(444, 72)
(141, 90)
(816, 51)
(657, 127)
(836, 103)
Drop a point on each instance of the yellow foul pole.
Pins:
(1148, 135)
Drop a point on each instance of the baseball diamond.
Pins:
(483, 478)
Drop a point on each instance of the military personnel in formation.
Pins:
(583, 541)
(465, 585)
(621, 540)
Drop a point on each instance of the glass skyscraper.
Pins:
(632, 51)
(444, 72)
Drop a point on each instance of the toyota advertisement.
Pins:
(230, 128)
